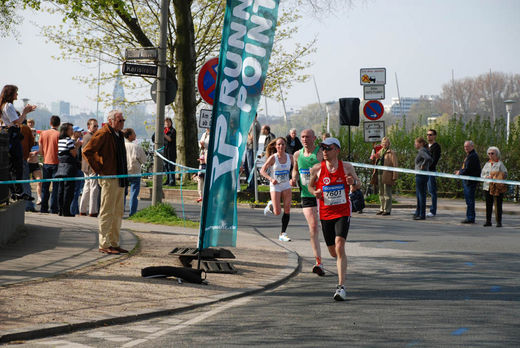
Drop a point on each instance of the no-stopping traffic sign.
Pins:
(373, 110)
(207, 80)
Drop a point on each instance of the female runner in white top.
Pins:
(280, 182)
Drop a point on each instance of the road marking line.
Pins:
(108, 336)
(144, 328)
(192, 321)
(63, 344)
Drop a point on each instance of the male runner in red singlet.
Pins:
(330, 182)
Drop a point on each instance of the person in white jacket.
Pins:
(135, 157)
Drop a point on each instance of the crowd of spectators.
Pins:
(64, 151)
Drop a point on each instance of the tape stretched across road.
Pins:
(437, 174)
(184, 170)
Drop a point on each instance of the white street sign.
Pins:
(372, 76)
(205, 118)
(374, 92)
(374, 131)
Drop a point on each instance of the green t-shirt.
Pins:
(304, 166)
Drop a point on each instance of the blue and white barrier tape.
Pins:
(437, 174)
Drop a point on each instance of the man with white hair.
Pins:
(106, 154)
(470, 167)
(293, 143)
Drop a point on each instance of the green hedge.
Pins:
(451, 135)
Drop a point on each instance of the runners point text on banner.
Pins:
(247, 41)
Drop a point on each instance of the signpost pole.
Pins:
(349, 158)
(161, 95)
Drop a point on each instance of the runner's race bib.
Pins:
(281, 176)
(305, 176)
(334, 195)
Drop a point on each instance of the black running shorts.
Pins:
(335, 228)
(309, 202)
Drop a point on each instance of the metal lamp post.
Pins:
(509, 107)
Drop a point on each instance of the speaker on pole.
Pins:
(349, 111)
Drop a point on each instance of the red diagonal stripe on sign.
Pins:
(371, 108)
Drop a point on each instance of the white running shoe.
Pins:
(430, 214)
(268, 208)
(284, 238)
(340, 294)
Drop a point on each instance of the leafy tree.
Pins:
(477, 96)
(104, 28)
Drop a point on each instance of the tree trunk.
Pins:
(185, 101)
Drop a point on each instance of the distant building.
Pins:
(398, 109)
(60, 108)
(407, 102)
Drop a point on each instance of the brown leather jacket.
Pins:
(100, 152)
(390, 160)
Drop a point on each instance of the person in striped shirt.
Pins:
(67, 167)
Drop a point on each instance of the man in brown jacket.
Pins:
(386, 179)
(106, 154)
(89, 200)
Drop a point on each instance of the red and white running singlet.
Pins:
(335, 201)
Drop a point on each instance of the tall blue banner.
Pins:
(247, 41)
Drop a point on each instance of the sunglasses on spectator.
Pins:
(491, 153)
(430, 134)
(121, 120)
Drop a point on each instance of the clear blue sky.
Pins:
(420, 40)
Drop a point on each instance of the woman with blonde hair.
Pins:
(494, 169)
(386, 178)
(277, 170)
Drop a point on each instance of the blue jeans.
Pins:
(249, 166)
(49, 170)
(74, 206)
(469, 195)
(432, 189)
(135, 187)
(170, 178)
(27, 187)
(421, 184)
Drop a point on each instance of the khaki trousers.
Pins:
(110, 212)
(385, 196)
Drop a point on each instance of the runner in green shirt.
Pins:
(304, 159)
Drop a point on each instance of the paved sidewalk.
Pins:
(54, 280)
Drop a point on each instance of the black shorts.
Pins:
(33, 167)
(335, 228)
(309, 202)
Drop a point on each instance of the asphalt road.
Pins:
(410, 283)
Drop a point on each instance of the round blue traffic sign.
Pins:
(207, 80)
(373, 110)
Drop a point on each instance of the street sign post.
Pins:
(373, 110)
(372, 76)
(205, 118)
(207, 80)
(374, 131)
(374, 92)
(139, 69)
(143, 53)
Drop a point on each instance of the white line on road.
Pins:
(192, 321)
